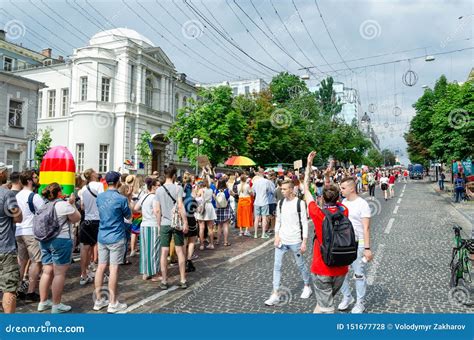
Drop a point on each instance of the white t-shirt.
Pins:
(358, 209)
(148, 218)
(63, 209)
(261, 187)
(287, 223)
(25, 228)
(89, 201)
(384, 180)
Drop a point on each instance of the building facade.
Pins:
(18, 117)
(241, 87)
(106, 95)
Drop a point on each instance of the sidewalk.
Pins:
(466, 209)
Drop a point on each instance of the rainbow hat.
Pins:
(58, 166)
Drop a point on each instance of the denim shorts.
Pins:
(261, 210)
(57, 251)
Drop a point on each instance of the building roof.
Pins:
(119, 34)
(8, 77)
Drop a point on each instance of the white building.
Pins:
(101, 101)
(241, 87)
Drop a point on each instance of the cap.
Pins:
(4, 167)
(112, 177)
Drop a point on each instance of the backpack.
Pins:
(339, 246)
(176, 220)
(45, 222)
(298, 209)
(221, 200)
(31, 206)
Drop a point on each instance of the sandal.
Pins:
(155, 279)
(227, 244)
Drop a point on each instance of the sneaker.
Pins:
(241, 233)
(359, 308)
(85, 280)
(273, 300)
(117, 307)
(306, 292)
(195, 256)
(133, 253)
(265, 236)
(42, 306)
(61, 308)
(247, 234)
(163, 285)
(183, 285)
(33, 297)
(255, 235)
(101, 303)
(345, 303)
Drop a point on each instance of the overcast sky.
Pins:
(359, 29)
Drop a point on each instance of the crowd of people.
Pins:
(114, 217)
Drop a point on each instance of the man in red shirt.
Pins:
(391, 185)
(327, 280)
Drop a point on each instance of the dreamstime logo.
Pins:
(14, 29)
(459, 296)
(294, 91)
(458, 118)
(375, 207)
(281, 119)
(370, 29)
(102, 121)
(243, 104)
(285, 296)
(192, 29)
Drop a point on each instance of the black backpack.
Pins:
(339, 246)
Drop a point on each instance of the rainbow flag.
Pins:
(58, 166)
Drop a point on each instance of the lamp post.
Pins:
(198, 142)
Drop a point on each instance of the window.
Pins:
(13, 158)
(64, 102)
(83, 88)
(132, 83)
(20, 65)
(247, 90)
(15, 113)
(105, 93)
(149, 93)
(40, 104)
(51, 103)
(80, 157)
(7, 64)
(235, 91)
(103, 158)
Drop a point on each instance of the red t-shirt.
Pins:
(318, 266)
(391, 180)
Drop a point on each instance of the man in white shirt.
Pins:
(359, 215)
(291, 233)
(261, 187)
(28, 246)
(90, 226)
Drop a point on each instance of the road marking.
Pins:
(395, 210)
(404, 186)
(375, 263)
(148, 299)
(389, 226)
(248, 252)
(401, 195)
(399, 201)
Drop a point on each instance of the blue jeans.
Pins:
(279, 253)
(359, 269)
(459, 195)
(441, 184)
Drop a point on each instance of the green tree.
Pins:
(43, 145)
(214, 118)
(374, 158)
(327, 99)
(285, 86)
(143, 148)
(388, 157)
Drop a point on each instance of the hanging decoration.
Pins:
(397, 111)
(409, 78)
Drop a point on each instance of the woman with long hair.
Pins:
(56, 253)
(223, 210)
(244, 207)
(137, 183)
(205, 215)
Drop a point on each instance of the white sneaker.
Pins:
(118, 307)
(345, 303)
(273, 300)
(359, 308)
(42, 306)
(306, 292)
(85, 280)
(133, 253)
(101, 303)
(60, 308)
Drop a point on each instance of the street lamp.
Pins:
(198, 142)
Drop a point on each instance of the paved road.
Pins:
(411, 238)
(412, 243)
